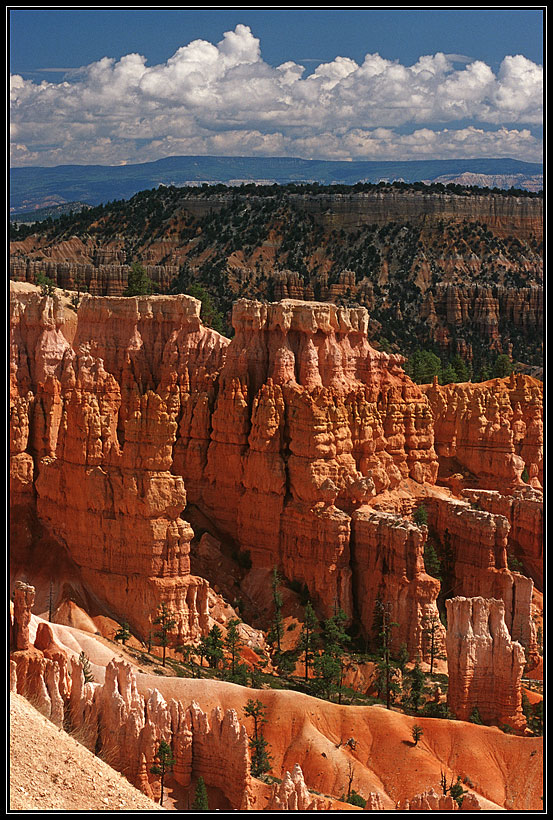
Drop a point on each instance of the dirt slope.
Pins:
(49, 770)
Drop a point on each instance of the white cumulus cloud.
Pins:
(223, 99)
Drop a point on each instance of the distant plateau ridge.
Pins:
(32, 188)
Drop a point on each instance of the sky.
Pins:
(118, 86)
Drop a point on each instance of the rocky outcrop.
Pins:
(484, 665)
(103, 444)
(125, 729)
(524, 512)
(430, 800)
(493, 429)
(474, 546)
(388, 567)
(309, 422)
(23, 600)
(292, 795)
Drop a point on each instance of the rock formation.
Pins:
(493, 429)
(430, 800)
(292, 795)
(524, 512)
(484, 665)
(388, 566)
(474, 544)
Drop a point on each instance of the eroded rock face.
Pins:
(524, 512)
(388, 566)
(475, 542)
(309, 422)
(23, 600)
(493, 429)
(484, 665)
(104, 445)
(292, 795)
(129, 729)
(278, 437)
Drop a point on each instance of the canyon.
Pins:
(456, 273)
(144, 443)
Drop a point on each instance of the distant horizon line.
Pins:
(284, 158)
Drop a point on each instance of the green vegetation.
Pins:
(261, 760)
(166, 623)
(275, 632)
(420, 516)
(328, 665)
(123, 634)
(138, 282)
(416, 733)
(85, 665)
(164, 764)
(200, 799)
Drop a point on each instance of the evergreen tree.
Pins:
(329, 664)
(431, 629)
(123, 634)
(138, 282)
(432, 563)
(47, 286)
(258, 745)
(211, 646)
(502, 366)
(166, 623)
(416, 733)
(449, 376)
(386, 668)
(416, 685)
(233, 643)
(200, 798)
(420, 516)
(165, 762)
(308, 636)
(275, 632)
(85, 664)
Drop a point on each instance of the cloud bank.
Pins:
(224, 99)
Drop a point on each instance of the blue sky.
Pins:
(335, 84)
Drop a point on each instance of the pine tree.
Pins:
(165, 762)
(258, 745)
(233, 643)
(85, 664)
(307, 637)
(416, 733)
(417, 681)
(431, 628)
(166, 623)
(275, 633)
(200, 798)
(329, 664)
(385, 666)
(123, 634)
(138, 282)
(420, 516)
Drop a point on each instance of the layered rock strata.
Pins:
(101, 444)
(310, 422)
(474, 546)
(388, 566)
(524, 512)
(493, 429)
(484, 665)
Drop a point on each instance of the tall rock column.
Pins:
(484, 665)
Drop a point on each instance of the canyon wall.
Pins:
(130, 409)
(493, 429)
(474, 546)
(125, 729)
(484, 665)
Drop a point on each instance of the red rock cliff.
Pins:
(484, 665)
